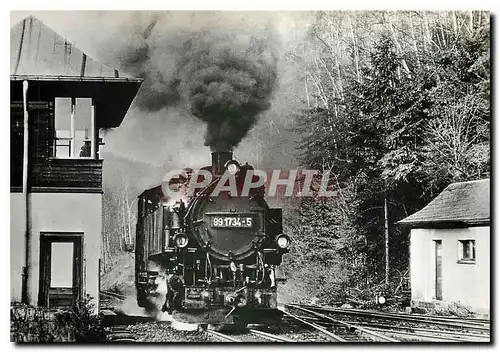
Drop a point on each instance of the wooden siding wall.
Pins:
(67, 174)
(47, 173)
(16, 145)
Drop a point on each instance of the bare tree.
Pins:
(387, 18)
(128, 216)
(454, 142)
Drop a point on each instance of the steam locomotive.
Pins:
(218, 256)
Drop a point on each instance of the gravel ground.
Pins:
(289, 328)
(163, 332)
(247, 337)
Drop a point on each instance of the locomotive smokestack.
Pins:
(219, 159)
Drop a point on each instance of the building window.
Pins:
(74, 128)
(466, 251)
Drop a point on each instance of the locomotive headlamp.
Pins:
(232, 166)
(181, 240)
(283, 241)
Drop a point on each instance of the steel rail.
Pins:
(444, 332)
(422, 335)
(451, 318)
(119, 334)
(270, 336)
(323, 331)
(123, 339)
(401, 317)
(365, 331)
(409, 328)
(435, 318)
(412, 316)
(222, 336)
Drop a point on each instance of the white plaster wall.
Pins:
(17, 225)
(465, 283)
(58, 212)
(421, 264)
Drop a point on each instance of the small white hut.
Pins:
(450, 247)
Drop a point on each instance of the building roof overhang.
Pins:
(442, 224)
(111, 95)
(461, 204)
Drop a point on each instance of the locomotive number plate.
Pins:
(232, 221)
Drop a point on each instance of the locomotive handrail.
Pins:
(209, 278)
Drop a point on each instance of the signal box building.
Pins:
(60, 100)
(450, 248)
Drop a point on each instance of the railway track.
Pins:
(321, 330)
(335, 330)
(403, 330)
(222, 337)
(470, 323)
(249, 335)
(271, 337)
(401, 327)
(120, 334)
(355, 331)
(308, 323)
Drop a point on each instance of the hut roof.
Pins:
(460, 203)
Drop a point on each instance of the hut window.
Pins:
(74, 128)
(467, 250)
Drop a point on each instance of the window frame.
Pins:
(74, 154)
(461, 248)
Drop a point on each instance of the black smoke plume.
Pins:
(141, 58)
(225, 77)
(227, 85)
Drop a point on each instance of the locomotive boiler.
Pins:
(218, 255)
